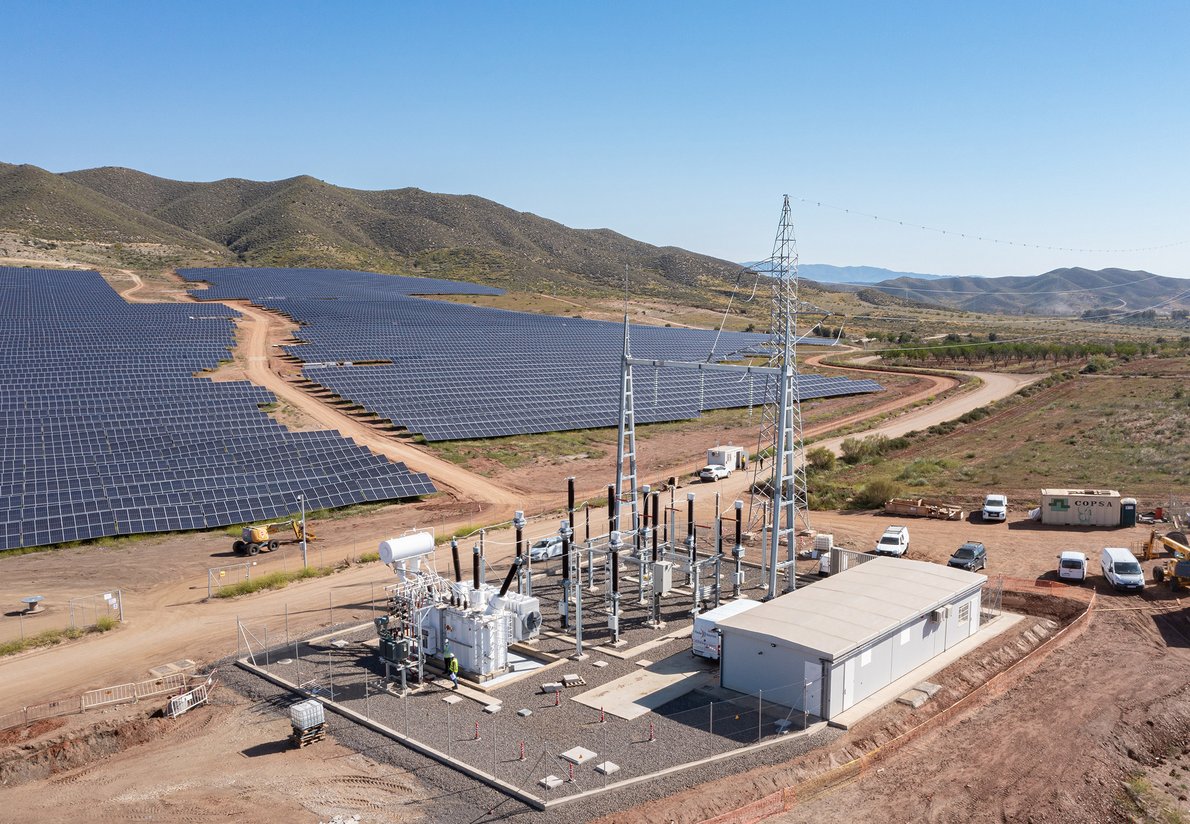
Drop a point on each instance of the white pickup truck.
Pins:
(894, 542)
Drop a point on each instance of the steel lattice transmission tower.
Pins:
(779, 508)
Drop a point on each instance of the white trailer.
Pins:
(733, 457)
(1080, 507)
(705, 637)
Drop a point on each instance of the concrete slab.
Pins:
(551, 686)
(607, 768)
(928, 688)
(578, 756)
(1002, 623)
(525, 712)
(573, 680)
(451, 699)
(465, 691)
(644, 662)
(599, 664)
(551, 782)
(912, 698)
(492, 709)
(632, 695)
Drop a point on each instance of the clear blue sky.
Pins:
(1058, 123)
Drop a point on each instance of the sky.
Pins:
(1055, 124)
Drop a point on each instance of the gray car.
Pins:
(970, 556)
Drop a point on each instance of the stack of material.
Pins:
(309, 723)
(923, 508)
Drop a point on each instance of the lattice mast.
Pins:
(780, 439)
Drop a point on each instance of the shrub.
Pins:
(874, 493)
(105, 623)
(821, 459)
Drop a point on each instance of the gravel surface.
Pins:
(680, 728)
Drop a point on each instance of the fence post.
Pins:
(120, 604)
(759, 714)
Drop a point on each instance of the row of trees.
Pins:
(1021, 351)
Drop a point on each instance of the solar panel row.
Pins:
(450, 371)
(107, 431)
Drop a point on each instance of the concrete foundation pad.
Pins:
(451, 699)
(524, 713)
(578, 755)
(632, 695)
(607, 768)
(930, 689)
(599, 664)
(912, 698)
(551, 782)
(492, 709)
(551, 686)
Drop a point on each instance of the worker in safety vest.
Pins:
(452, 669)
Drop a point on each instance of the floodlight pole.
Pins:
(302, 501)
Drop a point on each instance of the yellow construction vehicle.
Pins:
(1176, 569)
(262, 537)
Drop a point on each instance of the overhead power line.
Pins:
(981, 236)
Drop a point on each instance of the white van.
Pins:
(1121, 569)
(1072, 565)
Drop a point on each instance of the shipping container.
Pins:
(1080, 507)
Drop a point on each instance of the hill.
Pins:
(302, 221)
(54, 207)
(1059, 292)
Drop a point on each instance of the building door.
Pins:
(812, 688)
(848, 683)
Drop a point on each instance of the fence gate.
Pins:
(222, 576)
(87, 610)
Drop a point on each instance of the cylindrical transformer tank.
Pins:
(407, 546)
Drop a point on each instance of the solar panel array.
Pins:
(452, 371)
(108, 432)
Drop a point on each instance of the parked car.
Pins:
(894, 542)
(995, 508)
(1121, 569)
(970, 556)
(1072, 565)
(713, 472)
(545, 549)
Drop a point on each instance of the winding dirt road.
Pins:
(444, 473)
(993, 386)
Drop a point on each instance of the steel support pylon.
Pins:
(780, 440)
(626, 489)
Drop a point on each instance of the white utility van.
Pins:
(1072, 565)
(894, 542)
(1121, 569)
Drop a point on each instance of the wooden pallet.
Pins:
(303, 738)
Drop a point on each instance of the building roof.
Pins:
(1080, 492)
(841, 613)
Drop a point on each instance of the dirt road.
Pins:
(444, 473)
(994, 386)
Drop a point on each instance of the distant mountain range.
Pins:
(1059, 292)
(129, 219)
(825, 273)
(305, 222)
